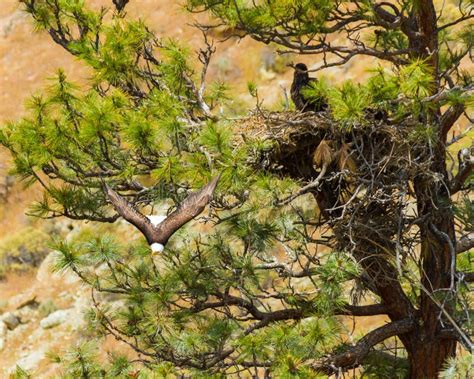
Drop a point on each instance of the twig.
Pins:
(314, 184)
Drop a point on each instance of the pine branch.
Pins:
(460, 136)
(364, 310)
(449, 117)
(285, 314)
(445, 93)
(356, 354)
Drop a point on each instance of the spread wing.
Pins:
(129, 213)
(191, 207)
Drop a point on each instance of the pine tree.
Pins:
(316, 216)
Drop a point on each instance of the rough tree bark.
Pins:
(427, 351)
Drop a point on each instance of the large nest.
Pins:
(361, 174)
(295, 138)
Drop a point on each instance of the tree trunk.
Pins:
(427, 351)
(428, 357)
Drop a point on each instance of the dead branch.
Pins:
(355, 355)
(465, 243)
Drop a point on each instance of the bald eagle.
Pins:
(302, 80)
(158, 229)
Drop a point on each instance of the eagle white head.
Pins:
(157, 248)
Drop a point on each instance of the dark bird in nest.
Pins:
(158, 229)
(301, 80)
(120, 4)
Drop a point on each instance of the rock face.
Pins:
(30, 360)
(10, 320)
(44, 273)
(54, 319)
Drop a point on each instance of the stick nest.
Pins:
(361, 175)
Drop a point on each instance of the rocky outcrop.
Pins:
(30, 360)
(10, 320)
(8, 23)
(55, 319)
(46, 314)
(3, 329)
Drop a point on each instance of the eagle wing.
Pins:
(191, 207)
(129, 213)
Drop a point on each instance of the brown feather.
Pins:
(129, 213)
(344, 159)
(323, 154)
(191, 207)
(301, 81)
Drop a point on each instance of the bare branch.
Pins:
(445, 93)
(449, 118)
(466, 276)
(365, 310)
(204, 57)
(465, 243)
(459, 180)
(455, 22)
(461, 136)
(356, 355)
(303, 190)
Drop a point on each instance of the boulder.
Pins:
(11, 320)
(9, 22)
(29, 302)
(25, 299)
(31, 360)
(55, 319)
